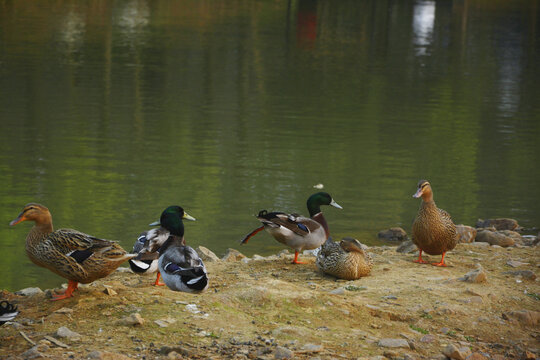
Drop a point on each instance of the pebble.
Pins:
(525, 274)
(338, 291)
(427, 339)
(523, 317)
(131, 320)
(312, 348)
(515, 263)
(394, 343)
(106, 355)
(109, 291)
(453, 352)
(406, 247)
(64, 310)
(476, 356)
(31, 291)
(35, 352)
(64, 332)
(466, 234)
(232, 255)
(476, 276)
(283, 353)
(206, 254)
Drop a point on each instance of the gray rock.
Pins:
(64, 332)
(394, 343)
(498, 224)
(232, 255)
(106, 355)
(206, 254)
(476, 276)
(453, 352)
(35, 352)
(165, 350)
(480, 244)
(312, 348)
(526, 274)
(427, 339)
(515, 263)
(466, 234)
(494, 238)
(31, 291)
(523, 317)
(406, 247)
(283, 353)
(131, 320)
(476, 356)
(393, 234)
(338, 291)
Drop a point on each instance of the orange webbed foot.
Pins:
(439, 264)
(157, 282)
(72, 286)
(421, 261)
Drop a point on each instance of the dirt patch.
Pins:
(270, 309)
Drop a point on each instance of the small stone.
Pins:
(31, 291)
(165, 322)
(494, 238)
(444, 330)
(476, 356)
(165, 350)
(393, 234)
(453, 352)
(476, 276)
(55, 342)
(338, 291)
(406, 247)
(35, 352)
(109, 291)
(498, 224)
(283, 353)
(523, 317)
(466, 234)
(64, 310)
(206, 254)
(232, 255)
(515, 263)
(394, 343)
(131, 320)
(427, 339)
(106, 355)
(312, 348)
(258, 257)
(64, 332)
(525, 274)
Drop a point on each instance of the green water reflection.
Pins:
(111, 111)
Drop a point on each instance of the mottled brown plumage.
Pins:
(433, 230)
(76, 256)
(345, 260)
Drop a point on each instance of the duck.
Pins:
(148, 266)
(180, 266)
(345, 259)
(294, 230)
(75, 256)
(433, 231)
(8, 312)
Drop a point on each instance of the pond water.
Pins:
(111, 111)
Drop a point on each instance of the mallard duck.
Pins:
(433, 231)
(7, 312)
(148, 266)
(180, 266)
(75, 256)
(296, 231)
(345, 260)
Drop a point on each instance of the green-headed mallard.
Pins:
(78, 257)
(7, 312)
(345, 260)
(296, 231)
(180, 266)
(433, 231)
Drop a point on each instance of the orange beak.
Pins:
(19, 219)
(418, 193)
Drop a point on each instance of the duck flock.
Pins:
(82, 258)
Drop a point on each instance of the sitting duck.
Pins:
(7, 312)
(344, 260)
(298, 232)
(75, 256)
(433, 231)
(148, 266)
(180, 266)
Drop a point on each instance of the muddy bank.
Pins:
(266, 308)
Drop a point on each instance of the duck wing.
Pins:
(184, 262)
(296, 223)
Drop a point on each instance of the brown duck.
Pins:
(345, 260)
(78, 257)
(433, 230)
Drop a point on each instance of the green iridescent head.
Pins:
(171, 219)
(315, 201)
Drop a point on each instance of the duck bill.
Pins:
(19, 219)
(188, 217)
(335, 204)
(418, 194)
(155, 223)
